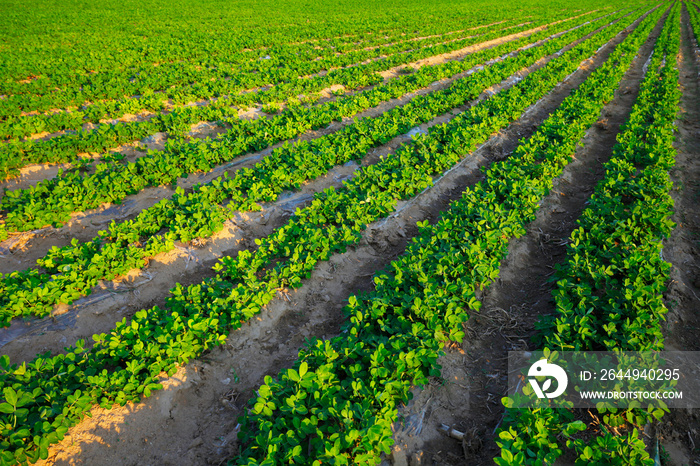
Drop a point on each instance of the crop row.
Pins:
(67, 147)
(74, 191)
(72, 271)
(137, 80)
(236, 79)
(46, 396)
(167, 42)
(293, 74)
(609, 293)
(341, 397)
(105, 136)
(194, 85)
(694, 16)
(133, 79)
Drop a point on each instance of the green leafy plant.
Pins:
(200, 213)
(609, 293)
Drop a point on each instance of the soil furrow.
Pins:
(120, 298)
(193, 420)
(147, 115)
(33, 174)
(21, 251)
(468, 395)
(677, 430)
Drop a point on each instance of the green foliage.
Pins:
(72, 271)
(226, 77)
(341, 397)
(421, 302)
(609, 293)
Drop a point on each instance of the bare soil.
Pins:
(120, 298)
(194, 419)
(679, 431)
(21, 251)
(468, 395)
(33, 174)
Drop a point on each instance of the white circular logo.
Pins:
(542, 368)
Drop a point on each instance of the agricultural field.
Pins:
(256, 232)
